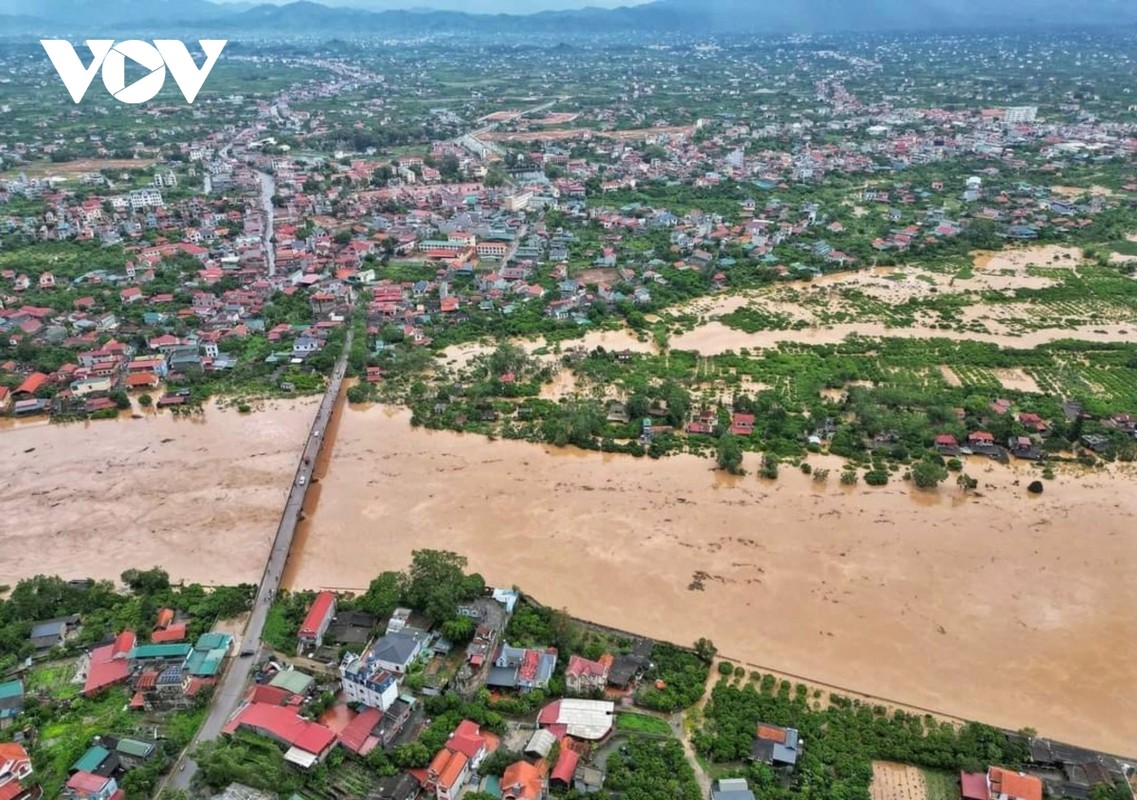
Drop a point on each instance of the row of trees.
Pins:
(841, 740)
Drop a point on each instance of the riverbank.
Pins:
(1001, 607)
(200, 496)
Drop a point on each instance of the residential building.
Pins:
(315, 625)
(522, 781)
(109, 664)
(395, 652)
(583, 676)
(590, 720)
(88, 786)
(775, 745)
(452, 766)
(308, 742)
(15, 773)
(521, 668)
(1006, 784)
(365, 681)
(731, 789)
(11, 700)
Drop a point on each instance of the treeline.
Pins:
(105, 611)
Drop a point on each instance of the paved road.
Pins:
(236, 678)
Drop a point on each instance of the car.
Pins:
(301, 480)
(247, 652)
(182, 768)
(316, 434)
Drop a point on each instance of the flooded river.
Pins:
(199, 496)
(1012, 609)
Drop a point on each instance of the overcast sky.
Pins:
(472, 6)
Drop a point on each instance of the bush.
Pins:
(145, 400)
(244, 408)
(726, 668)
(876, 477)
(1035, 487)
(954, 465)
(848, 478)
(928, 474)
(806, 469)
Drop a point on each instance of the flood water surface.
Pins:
(1012, 609)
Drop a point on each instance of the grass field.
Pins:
(640, 723)
(941, 785)
(54, 679)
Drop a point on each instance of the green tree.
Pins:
(383, 595)
(729, 454)
(150, 581)
(928, 475)
(436, 583)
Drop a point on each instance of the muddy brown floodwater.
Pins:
(1012, 609)
(200, 497)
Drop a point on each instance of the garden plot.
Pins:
(891, 781)
(1016, 380)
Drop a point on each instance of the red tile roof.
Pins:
(448, 766)
(973, 786)
(467, 739)
(355, 736)
(321, 607)
(32, 383)
(566, 766)
(580, 666)
(108, 664)
(772, 734)
(521, 781)
(86, 783)
(1014, 784)
(174, 633)
(284, 724)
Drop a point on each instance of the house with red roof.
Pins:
(15, 773)
(358, 736)
(980, 438)
(30, 385)
(1006, 784)
(88, 786)
(523, 781)
(742, 424)
(973, 786)
(562, 775)
(452, 766)
(316, 623)
(583, 676)
(308, 742)
(110, 664)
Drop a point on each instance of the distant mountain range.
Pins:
(83, 18)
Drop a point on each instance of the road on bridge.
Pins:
(229, 692)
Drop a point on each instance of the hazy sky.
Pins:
(472, 6)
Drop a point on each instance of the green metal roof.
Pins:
(147, 651)
(133, 747)
(292, 680)
(213, 641)
(89, 761)
(205, 663)
(11, 689)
